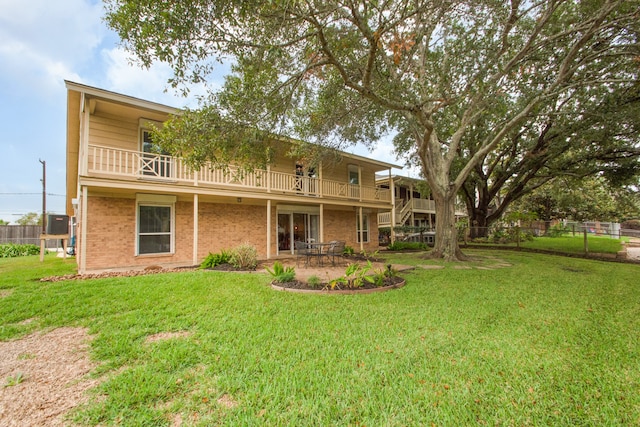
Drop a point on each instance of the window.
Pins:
(365, 228)
(354, 174)
(154, 161)
(155, 225)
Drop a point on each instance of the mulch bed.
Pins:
(229, 267)
(107, 274)
(389, 282)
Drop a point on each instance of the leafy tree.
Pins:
(590, 199)
(31, 218)
(343, 72)
(3, 222)
(583, 136)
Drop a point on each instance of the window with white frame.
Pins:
(365, 228)
(354, 181)
(354, 174)
(155, 224)
(154, 161)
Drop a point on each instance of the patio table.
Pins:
(318, 250)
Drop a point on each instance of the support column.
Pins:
(413, 218)
(269, 229)
(392, 188)
(268, 178)
(321, 231)
(360, 232)
(45, 237)
(360, 182)
(320, 181)
(84, 137)
(83, 231)
(196, 231)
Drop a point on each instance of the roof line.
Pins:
(118, 97)
(138, 102)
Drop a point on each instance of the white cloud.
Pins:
(44, 40)
(28, 67)
(384, 151)
(127, 77)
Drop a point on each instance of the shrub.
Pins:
(501, 234)
(11, 250)
(400, 246)
(281, 274)
(526, 236)
(390, 272)
(557, 231)
(348, 250)
(244, 257)
(354, 277)
(314, 281)
(633, 224)
(216, 259)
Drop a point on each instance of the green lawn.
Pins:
(545, 341)
(570, 244)
(575, 244)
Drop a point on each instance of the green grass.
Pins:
(545, 341)
(575, 244)
(571, 244)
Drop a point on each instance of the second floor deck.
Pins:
(107, 162)
(404, 210)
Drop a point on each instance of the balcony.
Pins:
(149, 167)
(416, 206)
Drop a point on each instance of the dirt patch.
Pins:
(167, 336)
(44, 376)
(227, 401)
(125, 273)
(431, 267)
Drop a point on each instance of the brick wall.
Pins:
(224, 226)
(111, 235)
(341, 225)
(111, 231)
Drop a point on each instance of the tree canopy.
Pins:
(582, 137)
(589, 199)
(453, 79)
(31, 218)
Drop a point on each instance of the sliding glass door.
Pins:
(296, 226)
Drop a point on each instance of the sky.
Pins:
(42, 44)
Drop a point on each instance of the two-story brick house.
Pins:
(133, 207)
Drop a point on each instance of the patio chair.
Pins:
(336, 250)
(302, 250)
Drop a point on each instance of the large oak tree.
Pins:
(343, 72)
(580, 138)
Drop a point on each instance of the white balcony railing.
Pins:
(130, 164)
(404, 210)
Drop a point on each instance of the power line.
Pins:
(31, 194)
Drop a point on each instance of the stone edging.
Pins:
(339, 291)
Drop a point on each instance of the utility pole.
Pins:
(44, 196)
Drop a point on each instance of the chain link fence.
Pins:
(524, 236)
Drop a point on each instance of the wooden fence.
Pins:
(24, 234)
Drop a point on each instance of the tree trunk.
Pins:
(446, 240)
(478, 223)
